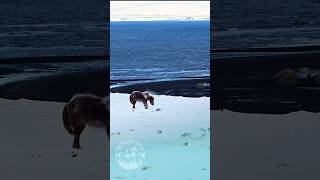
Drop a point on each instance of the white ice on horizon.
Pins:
(159, 10)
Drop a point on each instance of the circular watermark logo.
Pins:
(130, 154)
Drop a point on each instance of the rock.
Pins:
(285, 77)
(146, 168)
(186, 135)
(315, 76)
(303, 74)
(282, 165)
(74, 155)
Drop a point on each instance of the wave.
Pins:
(301, 48)
(53, 59)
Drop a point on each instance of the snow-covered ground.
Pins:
(173, 135)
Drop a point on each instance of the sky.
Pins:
(159, 10)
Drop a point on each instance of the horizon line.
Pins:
(155, 20)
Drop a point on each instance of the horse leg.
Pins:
(108, 132)
(145, 103)
(134, 104)
(77, 132)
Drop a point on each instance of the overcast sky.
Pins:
(159, 10)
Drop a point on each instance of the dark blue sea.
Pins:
(159, 50)
(34, 28)
(50, 28)
(241, 24)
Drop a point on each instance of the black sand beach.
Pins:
(262, 129)
(49, 51)
(188, 87)
(54, 78)
(58, 88)
(244, 84)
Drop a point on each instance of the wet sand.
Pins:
(244, 84)
(188, 87)
(59, 88)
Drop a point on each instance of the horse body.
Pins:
(144, 97)
(85, 109)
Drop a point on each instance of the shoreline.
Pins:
(186, 87)
(61, 87)
(244, 84)
(58, 87)
(54, 59)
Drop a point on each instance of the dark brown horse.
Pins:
(143, 97)
(85, 109)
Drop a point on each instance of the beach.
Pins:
(245, 84)
(59, 87)
(265, 146)
(49, 52)
(186, 87)
(38, 102)
(33, 92)
(168, 134)
(263, 129)
(36, 146)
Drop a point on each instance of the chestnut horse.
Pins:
(143, 97)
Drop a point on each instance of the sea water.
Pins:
(34, 28)
(159, 50)
(50, 28)
(261, 23)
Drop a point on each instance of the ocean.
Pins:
(247, 24)
(156, 50)
(48, 28)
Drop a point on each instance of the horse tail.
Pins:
(131, 99)
(66, 121)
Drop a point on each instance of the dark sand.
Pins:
(189, 87)
(61, 87)
(244, 84)
(58, 88)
